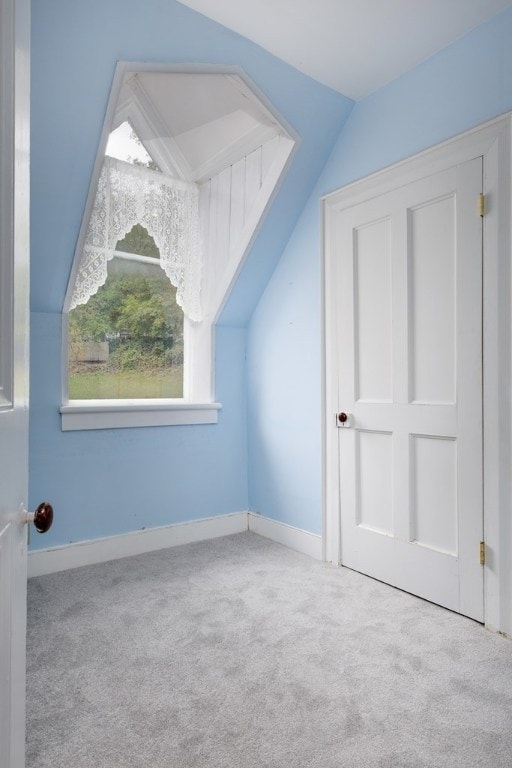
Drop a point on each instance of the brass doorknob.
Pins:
(42, 517)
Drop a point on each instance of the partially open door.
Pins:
(14, 307)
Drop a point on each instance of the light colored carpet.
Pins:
(239, 653)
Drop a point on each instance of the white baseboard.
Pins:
(44, 561)
(294, 538)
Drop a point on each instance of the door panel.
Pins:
(433, 505)
(374, 468)
(433, 302)
(410, 373)
(372, 312)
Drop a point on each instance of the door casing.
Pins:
(493, 141)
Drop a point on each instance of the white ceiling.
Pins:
(353, 46)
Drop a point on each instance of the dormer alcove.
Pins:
(208, 132)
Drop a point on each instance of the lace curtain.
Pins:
(168, 208)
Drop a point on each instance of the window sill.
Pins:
(110, 414)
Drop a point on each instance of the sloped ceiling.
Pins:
(353, 46)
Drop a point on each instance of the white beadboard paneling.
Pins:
(223, 220)
(252, 180)
(253, 218)
(268, 155)
(204, 219)
(211, 245)
(204, 209)
(231, 206)
(237, 200)
(228, 203)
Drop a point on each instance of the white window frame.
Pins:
(107, 413)
(198, 405)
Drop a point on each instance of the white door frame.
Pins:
(492, 141)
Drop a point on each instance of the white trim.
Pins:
(115, 414)
(477, 141)
(492, 141)
(497, 382)
(150, 125)
(129, 111)
(54, 559)
(245, 145)
(199, 338)
(292, 537)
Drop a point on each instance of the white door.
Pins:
(14, 281)
(410, 380)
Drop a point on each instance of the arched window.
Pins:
(186, 169)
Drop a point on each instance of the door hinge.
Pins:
(482, 553)
(481, 204)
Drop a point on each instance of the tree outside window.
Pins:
(127, 341)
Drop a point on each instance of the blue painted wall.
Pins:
(462, 86)
(112, 481)
(106, 482)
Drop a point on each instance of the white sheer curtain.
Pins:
(168, 208)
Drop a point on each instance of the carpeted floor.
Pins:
(239, 653)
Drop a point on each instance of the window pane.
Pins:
(127, 341)
(124, 144)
